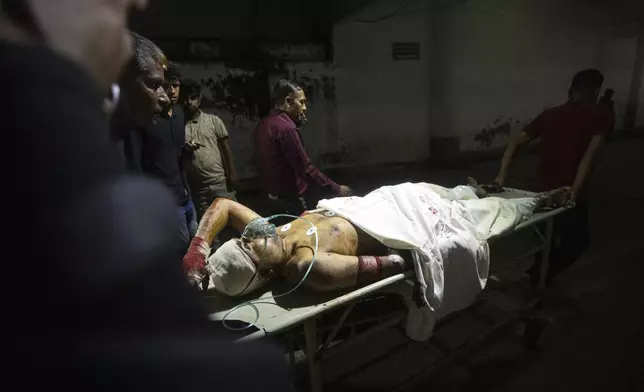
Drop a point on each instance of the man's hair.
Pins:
(173, 73)
(586, 82)
(191, 87)
(283, 89)
(146, 54)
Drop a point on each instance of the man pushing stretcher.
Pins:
(355, 236)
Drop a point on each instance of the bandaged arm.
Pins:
(332, 271)
(220, 213)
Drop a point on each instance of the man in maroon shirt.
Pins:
(283, 166)
(570, 134)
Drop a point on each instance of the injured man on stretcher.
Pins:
(358, 239)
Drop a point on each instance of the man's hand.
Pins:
(198, 279)
(566, 197)
(560, 197)
(194, 261)
(192, 146)
(500, 179)
(571, 195)
(345, 191)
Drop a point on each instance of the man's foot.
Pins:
(483, 190)
(478, 190)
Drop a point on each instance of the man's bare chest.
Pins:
(334, 235)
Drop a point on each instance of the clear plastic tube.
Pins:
(252, 303)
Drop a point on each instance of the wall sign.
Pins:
(405, 50)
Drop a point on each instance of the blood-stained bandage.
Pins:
(369, 269)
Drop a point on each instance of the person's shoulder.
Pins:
(590, 110)
(276, 124)
(602, 110)
(213, 117)
(554, 110)
(280, 121)
(286, 122)
(554, 113)
(298, 262)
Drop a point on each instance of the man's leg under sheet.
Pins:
(494, 215)
(462, 192)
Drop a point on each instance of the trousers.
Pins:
(570, 238)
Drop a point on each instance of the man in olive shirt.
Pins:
(209, 161)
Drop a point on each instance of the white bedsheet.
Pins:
(447, 238)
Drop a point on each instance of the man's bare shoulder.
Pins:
(297, 264)
(301, 251)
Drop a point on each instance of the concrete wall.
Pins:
(618, 71)
(510, 60)
(194, 18)
(279, 20)
(637, 84)
(382, 103)
(486, 69)
(640, 104)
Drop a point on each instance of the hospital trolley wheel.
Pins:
(533, 331)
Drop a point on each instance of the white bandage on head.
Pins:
(231, 270)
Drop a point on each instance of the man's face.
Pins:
(296, 106)
(93, 33)
(172, 89)
(193, 103)
(147, 96)
(267, 253)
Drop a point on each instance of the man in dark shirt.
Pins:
(105, 305)
(142, 97)
(570, 135)
(162, 146)
(283, 166)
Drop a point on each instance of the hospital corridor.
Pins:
(594, 340)
(323, 195)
